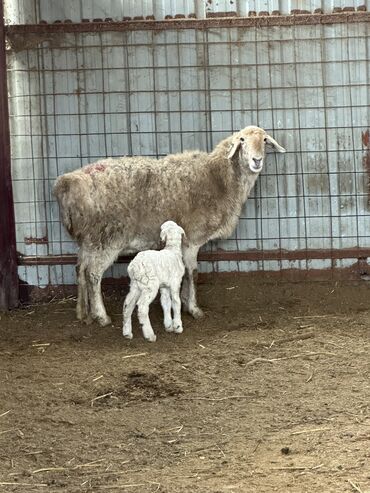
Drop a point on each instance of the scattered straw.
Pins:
(118, 486)
(90, 464)
(108, 394)
(48, 469)
(4, 414)
(301, 355)
(216, 398)
(38, 485)
(317, 316)
(97, 378)
(310, 377)
(355, 486)
(7, 431)
(314, 430)
(134, 355)
(256, 360)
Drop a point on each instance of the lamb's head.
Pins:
(249, 145)
(171, 233)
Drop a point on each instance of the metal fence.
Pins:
(131, 88)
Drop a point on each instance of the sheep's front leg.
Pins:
(128, 308)
(146, 297)
(166, 307)
(189, 295)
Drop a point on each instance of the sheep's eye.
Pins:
(265, 139)
(242, 139)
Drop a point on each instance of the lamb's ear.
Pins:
(269, 140)
(163, 236)
(233, 149)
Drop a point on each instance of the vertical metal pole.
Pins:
(8, 256)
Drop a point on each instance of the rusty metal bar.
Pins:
(222, 255)
(188, 23)
(8, 256)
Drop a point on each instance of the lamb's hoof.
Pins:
(178, 329)
(168, 328)
(151, 338)
(127, 335)
(196, 313)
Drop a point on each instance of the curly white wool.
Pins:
(151, 271)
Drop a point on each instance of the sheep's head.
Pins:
(170, 231)
(249, 144)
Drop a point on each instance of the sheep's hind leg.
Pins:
(166, 306)
(176, 306)
(190, 299)
(128, 308)
(146, 297)
(82, 308)
(99, 261)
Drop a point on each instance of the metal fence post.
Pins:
(8, 257)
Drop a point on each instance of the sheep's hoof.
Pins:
(103, 321)
(196, 312)
(151, 338)
(128, 335)
(80, 314)
(88, 320)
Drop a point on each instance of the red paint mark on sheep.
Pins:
(95, 168)
(366, 160)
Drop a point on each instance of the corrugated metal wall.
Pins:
(80, 97)
(27, 11)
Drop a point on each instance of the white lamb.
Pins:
(151, 271)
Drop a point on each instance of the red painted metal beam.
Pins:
(223, 255)
(8, 255)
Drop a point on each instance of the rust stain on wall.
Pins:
(36, 241)
(366, 160)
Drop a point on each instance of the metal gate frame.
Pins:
(8, 255)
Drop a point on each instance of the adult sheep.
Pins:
(118, 205)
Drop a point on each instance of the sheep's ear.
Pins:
(163, 236)
(269, 140)
(233, 149)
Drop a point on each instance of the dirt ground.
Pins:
(269, 392)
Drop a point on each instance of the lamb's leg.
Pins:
(146, 297)
(176, 307)
(82, 308)
(190, 254)
(166, 306)
(128, 308)
(98, 262)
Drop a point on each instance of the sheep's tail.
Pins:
(72, 196)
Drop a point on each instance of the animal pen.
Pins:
(92, 79)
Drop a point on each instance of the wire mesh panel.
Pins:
(76, 98)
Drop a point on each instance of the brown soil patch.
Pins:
(269, 392)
